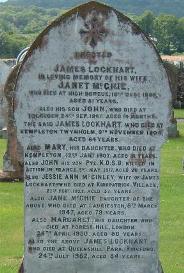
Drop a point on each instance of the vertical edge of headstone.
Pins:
(21, 268)
(160, 268)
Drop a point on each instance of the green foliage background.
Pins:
(19, 25)
(175, 7)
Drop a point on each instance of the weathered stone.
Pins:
(92, 109)
(173, 73)
(4, 71)
(160, 270)
(172, 129)
(180, 93)
(175, 69)
(21, 268)
(13, 158)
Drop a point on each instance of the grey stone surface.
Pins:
(4, 71)
(21, 268)
(13, 158)
(160, 269)
(172, 129)
(92, 111)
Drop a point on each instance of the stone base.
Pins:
(160, 269)
(9, 177)
(172, 130)
(21, 269)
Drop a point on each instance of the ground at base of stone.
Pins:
(21, 268)
(6, 177)
(160, 270)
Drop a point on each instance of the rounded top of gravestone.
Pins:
(111, 55)
(84, 10)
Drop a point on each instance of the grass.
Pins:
(11, 226)
(172, 204)
(171, 212)
(11, 222)
(179, 113)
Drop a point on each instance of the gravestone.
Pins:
(13, 157)
(92, 109)
(5, 67)
(172, 129)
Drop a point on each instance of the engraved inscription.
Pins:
(92, 123)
